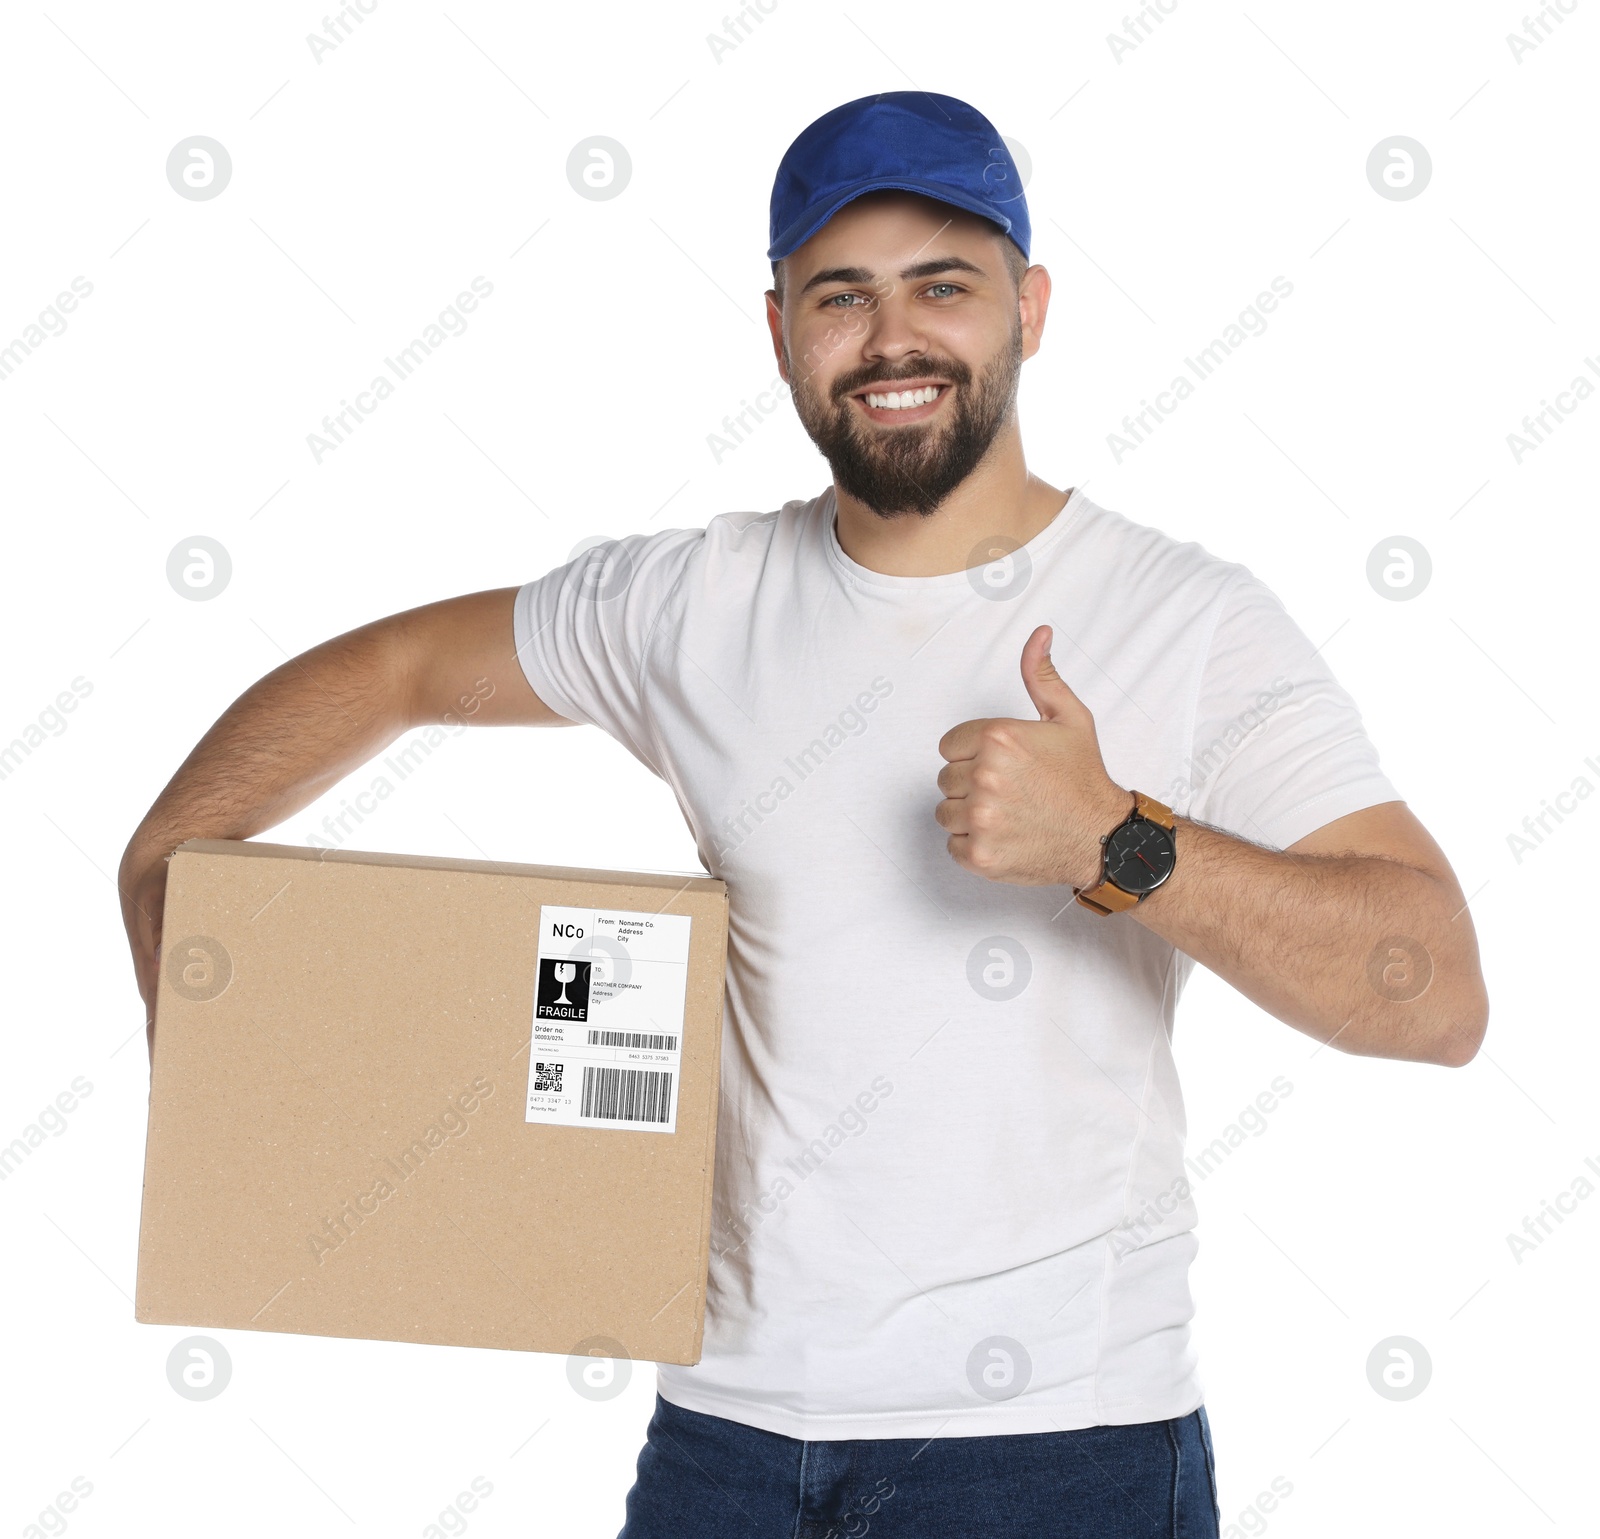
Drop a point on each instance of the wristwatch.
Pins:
(1136, 857)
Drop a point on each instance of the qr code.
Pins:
(547, 1076)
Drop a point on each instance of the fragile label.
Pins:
(608, 1005)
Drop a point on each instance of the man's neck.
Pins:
(998, 507)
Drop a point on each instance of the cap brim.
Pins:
(819, 213)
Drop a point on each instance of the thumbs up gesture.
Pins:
(1027, 801)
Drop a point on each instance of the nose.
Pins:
(892, 332)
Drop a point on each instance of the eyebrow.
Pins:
(907, 274)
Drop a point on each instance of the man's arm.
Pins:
(306, 725)
(1356, 934)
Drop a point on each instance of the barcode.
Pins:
(655, 1041)
(626, 1095)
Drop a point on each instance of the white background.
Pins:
(1168, 188)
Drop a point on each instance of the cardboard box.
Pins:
(417, 1099)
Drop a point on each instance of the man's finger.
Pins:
(962, 742)
(1052, 696)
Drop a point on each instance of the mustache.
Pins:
(957, 374)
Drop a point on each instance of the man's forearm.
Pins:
(1338, 946)
(279, 746)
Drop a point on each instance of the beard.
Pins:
(911, 469)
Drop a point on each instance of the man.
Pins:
(951, 1230)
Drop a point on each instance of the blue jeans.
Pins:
(704, 1477)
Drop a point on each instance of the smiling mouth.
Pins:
(905, 404)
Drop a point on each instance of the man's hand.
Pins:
(142, 881)
(1028, 801)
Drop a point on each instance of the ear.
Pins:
(1033, 302)
(775, 326)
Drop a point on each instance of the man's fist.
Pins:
(142, 882)
(1027, 801)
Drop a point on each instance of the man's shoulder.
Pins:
(1152, 559)
(719, 549)
(663, 576)
(733, 531)
(755, 532)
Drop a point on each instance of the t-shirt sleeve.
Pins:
(583, 632)
(1279, 748)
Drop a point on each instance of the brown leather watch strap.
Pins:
(1106, 897)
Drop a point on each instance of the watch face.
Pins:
(1140, 856)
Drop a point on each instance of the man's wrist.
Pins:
(1118, 805)
(146, 850)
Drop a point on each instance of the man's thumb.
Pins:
(1049, 692)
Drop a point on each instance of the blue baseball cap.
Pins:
(915, 141)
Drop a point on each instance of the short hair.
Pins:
(1016, 265)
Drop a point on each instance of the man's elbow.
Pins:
(1460, 1043)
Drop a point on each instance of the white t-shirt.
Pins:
(950, 1192)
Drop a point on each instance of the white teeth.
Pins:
(899, 400)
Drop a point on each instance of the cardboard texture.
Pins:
(340, 1140)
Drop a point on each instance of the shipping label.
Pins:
(607, 1049)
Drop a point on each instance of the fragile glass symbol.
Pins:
(565, 973)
